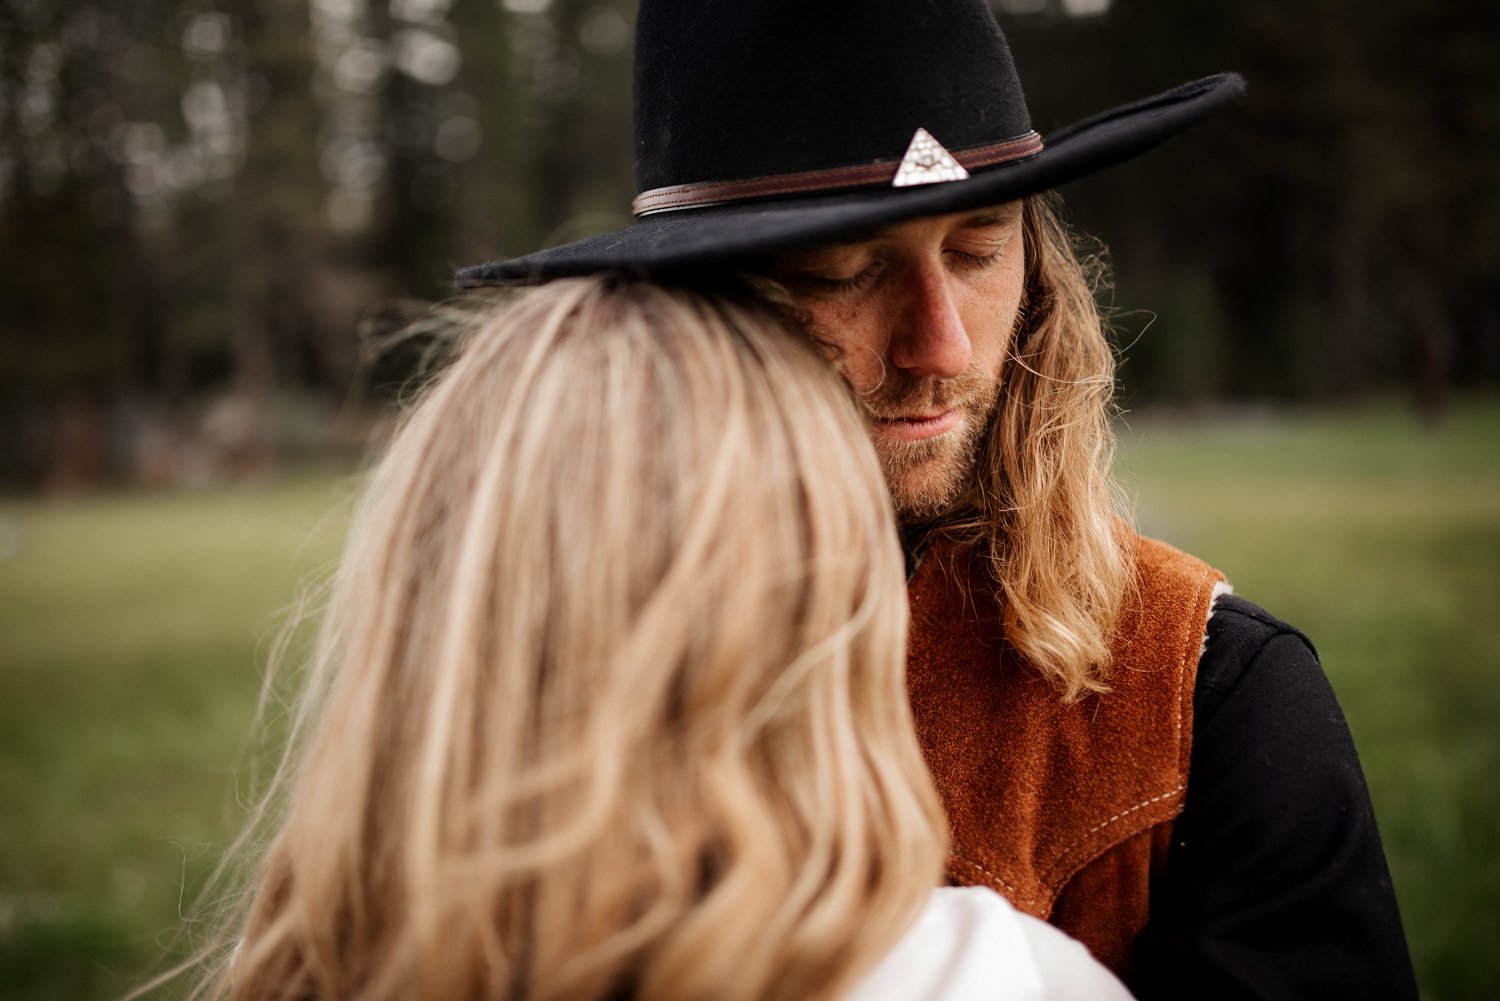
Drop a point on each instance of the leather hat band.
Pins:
(698, 195)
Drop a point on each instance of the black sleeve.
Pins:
(1275, 884)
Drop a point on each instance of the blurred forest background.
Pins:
(214, 212)
(209, 209)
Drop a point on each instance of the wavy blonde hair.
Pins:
(609, 700)
(1045, 510)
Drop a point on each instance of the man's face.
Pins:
(921, 318)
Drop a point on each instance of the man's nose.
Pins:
(932, 340)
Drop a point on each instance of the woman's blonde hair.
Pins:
(609, 697)
(1045, 502)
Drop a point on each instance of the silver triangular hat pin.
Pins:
(927, 162)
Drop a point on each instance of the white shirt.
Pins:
(970, 943)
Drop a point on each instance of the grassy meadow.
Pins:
(136, 626)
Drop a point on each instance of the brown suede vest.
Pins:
(1066, 809)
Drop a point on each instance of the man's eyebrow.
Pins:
(997, 216)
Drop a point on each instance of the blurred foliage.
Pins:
(1338, 237)
(207, 203)
(204, 202)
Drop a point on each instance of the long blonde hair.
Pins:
(1044, 509)
(609, 698)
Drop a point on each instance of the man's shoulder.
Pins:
(1235, 629)
(1158, 563)
(1165, 609)
(1238, 621)
(1240, 632)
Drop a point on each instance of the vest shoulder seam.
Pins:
(1011, 892)
(1058, 874)
(1087, 846)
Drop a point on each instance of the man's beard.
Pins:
(927, 478)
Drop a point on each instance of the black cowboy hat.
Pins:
(765, 125)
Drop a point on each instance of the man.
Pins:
(1123, 747)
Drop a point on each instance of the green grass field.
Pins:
(135, 627)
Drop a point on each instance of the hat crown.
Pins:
(733, 89)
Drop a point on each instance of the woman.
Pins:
(609, 701)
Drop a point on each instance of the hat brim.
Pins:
(729, 234)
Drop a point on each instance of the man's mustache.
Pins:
(902, 395)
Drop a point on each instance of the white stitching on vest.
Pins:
(1015, 895)
(1057, 865)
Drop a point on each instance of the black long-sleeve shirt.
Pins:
(1276, 884)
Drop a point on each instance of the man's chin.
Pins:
(924, 495)
(928, 479)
